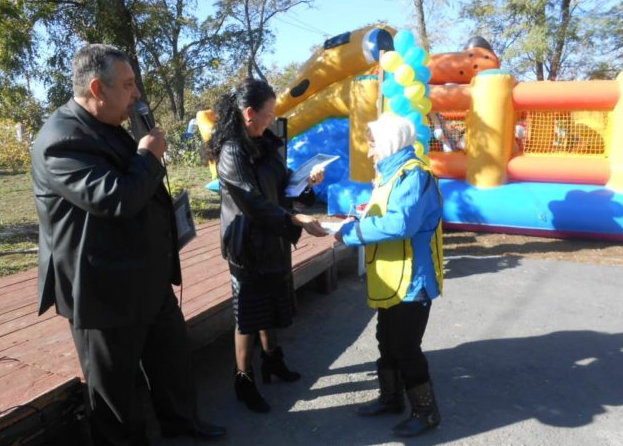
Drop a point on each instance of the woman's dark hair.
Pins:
(230, 124)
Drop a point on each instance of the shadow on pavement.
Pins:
(561, 379)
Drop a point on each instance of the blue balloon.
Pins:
(414, 57)
(426, 147)
(400, 105)
(422, 74)
(427, 90)
(423, 133)
(390, 88)
(416, 118)
(403, 41)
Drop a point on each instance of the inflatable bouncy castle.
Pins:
(541, 158)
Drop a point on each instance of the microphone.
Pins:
(143, 111)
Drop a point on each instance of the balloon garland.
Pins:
(406, 84)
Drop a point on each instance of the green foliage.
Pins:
(279, 78)
(14, 154)
(184, 149)
(544, 39)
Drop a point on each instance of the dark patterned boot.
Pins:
(391, 398)
(272, 364)
(246, 391)
(424, 412)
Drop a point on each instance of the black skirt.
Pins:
(262, 302)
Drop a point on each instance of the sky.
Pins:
(301, 28)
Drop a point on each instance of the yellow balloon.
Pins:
(404, 75)
(424, 106)
(390, 61)
(415, 92)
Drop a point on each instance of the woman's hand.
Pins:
(338, 235)
(316, 176)
(310, 224)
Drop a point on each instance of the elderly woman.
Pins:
(401, 230)
(258, 227)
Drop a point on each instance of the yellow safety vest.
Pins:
(389, 265)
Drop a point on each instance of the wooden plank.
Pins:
(38, 362)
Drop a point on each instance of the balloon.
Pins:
(423, 74)
(403, 41)
(404, 75)
(389, 88)
(423, 133)
(415, 92)
(400, 105)
(424, 105)
(426, 58)
(427, 90)
(390, 61)
(415, 57)
(415, 117)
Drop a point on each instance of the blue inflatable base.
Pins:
(345, 196)
(551, 209)
(562, 209)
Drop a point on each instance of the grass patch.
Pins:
(19, 221)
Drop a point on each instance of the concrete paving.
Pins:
(523, 353)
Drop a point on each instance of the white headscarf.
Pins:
(391, 133)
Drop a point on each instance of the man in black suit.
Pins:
(108, 256)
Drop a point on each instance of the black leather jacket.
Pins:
(107, 254)
(256, 228)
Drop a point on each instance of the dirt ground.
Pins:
(571, 250)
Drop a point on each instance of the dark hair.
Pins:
(230, 124)
(94, 61)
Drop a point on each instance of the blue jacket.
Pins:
(414, 210)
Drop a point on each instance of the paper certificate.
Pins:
(298, 180)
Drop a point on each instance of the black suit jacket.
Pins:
(107, 236)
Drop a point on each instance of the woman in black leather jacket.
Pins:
(258, 227)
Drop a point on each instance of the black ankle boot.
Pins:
(246, 391)
(391, 398)
(272, 364)
(424, 412)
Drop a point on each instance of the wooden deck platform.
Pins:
(38, 363)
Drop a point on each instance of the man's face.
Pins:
(118, 98)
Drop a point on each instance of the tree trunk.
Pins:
(421, 21)
(561, 37)
(117, 19)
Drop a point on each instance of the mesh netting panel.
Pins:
(448, 134)
(565, 133)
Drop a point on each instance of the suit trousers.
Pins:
(111, 363)
(399, 331)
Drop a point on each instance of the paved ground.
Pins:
(524, 352)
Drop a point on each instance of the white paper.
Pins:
(298, 180)
(331, 226)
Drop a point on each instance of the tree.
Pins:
(420, 18)
(16, 56)
(177, 50)
(169, 49)
(545, 39)
(252, 17)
